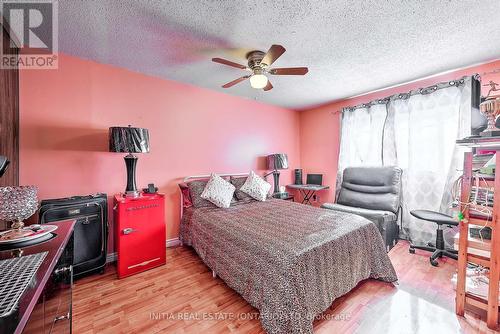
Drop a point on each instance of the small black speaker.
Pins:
(298, 176)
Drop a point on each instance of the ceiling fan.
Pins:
(258, 65)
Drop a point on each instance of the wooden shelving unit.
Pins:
(463, 298)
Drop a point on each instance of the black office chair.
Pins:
(438, 249)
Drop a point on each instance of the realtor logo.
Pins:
(29, 34)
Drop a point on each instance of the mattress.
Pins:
(288, 260)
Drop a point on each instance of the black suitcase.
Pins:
(91, 228)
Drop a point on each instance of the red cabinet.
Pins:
(140, 233)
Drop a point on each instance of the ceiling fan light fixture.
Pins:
(258, 66)
(258, 81)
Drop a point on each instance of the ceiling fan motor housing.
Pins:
(254, 60)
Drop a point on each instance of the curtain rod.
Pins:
(476, 76)
(402, 96)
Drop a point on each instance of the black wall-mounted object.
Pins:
(129, 140)
(90, 232)
(4, 163)
(9, 113)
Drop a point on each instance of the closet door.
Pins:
(9, 119)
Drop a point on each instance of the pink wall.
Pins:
(65, 115)
(319, 127)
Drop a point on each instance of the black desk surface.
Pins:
(54, 247)
(314, 187)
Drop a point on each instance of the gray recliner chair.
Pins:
(374, 193)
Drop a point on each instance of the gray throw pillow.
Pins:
(195, 190)
(238, 182)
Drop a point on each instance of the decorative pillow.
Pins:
(186, 196)
(218, 191)
(256, 187)
(195, 190)
(238, 182)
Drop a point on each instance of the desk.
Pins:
(307, 190)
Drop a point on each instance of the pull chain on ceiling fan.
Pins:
(258, 65)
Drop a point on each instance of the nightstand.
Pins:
(140, 233)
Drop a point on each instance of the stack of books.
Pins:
(479, 160)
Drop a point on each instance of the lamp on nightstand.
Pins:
(18, 203)
(275, 162)
(129, 140)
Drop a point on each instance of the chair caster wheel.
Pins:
(411, 250)
(434, 263)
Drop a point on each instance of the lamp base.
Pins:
(276, 175)
(17, 225)
(132, 194)
(131, 163)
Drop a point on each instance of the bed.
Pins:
(288, 260)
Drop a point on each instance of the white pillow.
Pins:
(218, 191)
(256, 187)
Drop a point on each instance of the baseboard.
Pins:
(111, 257)
(173, 242)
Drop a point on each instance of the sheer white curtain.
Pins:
(419, 134)
(361, 137)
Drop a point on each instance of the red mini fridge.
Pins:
(139, 233)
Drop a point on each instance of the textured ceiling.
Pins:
(350, 47)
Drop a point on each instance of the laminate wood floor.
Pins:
(182, 297)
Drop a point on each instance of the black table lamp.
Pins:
(129, 140)
(275, 162)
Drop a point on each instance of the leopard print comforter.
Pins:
(288, 260)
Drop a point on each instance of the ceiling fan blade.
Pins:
(234, 82)
(228, 63)
(274, 52)
(289, 71)
(269, 86)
